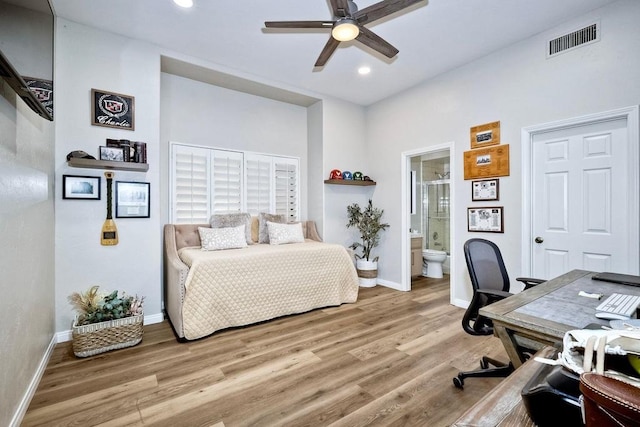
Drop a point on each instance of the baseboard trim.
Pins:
(64, 336)
(460, 303)
(33, 385)
(390, 284)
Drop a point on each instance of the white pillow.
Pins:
(280, 234)
(213, 239)
(263, 218)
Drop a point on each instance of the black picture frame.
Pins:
(77, 187)
(111, 154)
(484, 190)
(486, 219)
(113, 110)
(132, 199)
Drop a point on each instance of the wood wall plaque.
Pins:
(487, 162)
(485, 135)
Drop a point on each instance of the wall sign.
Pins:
(112, 110)
(487, 162)
(484, 135)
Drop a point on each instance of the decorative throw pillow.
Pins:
(213, 239)
(279, 234)
(233, 220)
(263, 218)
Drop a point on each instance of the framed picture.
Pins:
(113, 110)
(112, 154)
(132, 199)
(487, 162)
(486, 219)
(484, 135)
(485, 189)
(80, 187)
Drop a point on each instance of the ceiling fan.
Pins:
(348, 24)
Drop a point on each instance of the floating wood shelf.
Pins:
(348, 182)
(105, 164)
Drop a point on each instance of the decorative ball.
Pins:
(357, 176)
(347, 175)
(335, 174)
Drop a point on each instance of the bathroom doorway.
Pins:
(428, 208)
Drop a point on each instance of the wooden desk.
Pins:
(543, 314)
(503, 405)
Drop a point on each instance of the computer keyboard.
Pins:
(625, 305)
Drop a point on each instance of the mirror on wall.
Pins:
(26, 52)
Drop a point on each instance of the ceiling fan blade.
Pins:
(326, 53)
(298, 24)
(375, 42)
(340, 8)
(381, 9)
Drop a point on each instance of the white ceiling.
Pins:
(433, 37)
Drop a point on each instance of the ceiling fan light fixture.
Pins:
(345, 30)
(184, 3)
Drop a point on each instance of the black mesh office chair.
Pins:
(490, 283)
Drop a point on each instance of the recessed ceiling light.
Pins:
(184, 3)
(363, 71)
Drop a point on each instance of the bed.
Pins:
(206, 291)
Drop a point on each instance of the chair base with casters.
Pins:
(490, 283)
(499, 370)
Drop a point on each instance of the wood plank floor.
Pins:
(387, 360)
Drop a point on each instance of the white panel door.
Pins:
(580, 186)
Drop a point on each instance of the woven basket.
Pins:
(105, 336)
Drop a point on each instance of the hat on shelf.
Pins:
(79, 154)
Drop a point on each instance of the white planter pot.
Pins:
(367, 272)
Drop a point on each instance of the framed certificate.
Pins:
(485, 189)
(486, 219)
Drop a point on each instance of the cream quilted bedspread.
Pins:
(243, 286)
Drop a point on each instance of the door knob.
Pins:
(538, 240)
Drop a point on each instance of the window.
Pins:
(207, 181)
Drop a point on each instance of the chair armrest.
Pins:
(494, 295)
(529, 282)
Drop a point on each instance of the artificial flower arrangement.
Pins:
(95, 307)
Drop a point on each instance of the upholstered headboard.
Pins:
(187, 234)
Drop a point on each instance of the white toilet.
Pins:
(433, 260)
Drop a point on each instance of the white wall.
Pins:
(26, 253)
(315, 167)
(518, 86)
(87, 58)
(344, 148)
(197, 113)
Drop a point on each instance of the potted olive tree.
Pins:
(368, 223)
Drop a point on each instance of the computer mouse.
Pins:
(611, 316)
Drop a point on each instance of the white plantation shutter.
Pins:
(227, 181)
(190, 195)
(286, 187)
(259, 184)
(206, 181)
